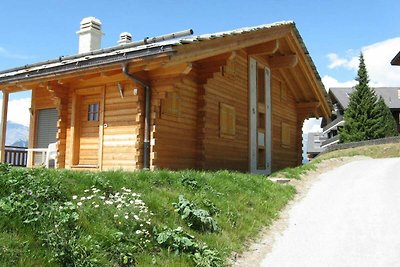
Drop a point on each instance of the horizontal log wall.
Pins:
(229, 86)
(283, 106)
(173, 136)
(121, 136)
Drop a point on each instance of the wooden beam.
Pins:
(308, 109)
(197, 51)
(282, 61)
(308, 105)
(184, 68)
(3, 126)
(305, 65)
(263, 49)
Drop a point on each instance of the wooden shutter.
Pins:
(170, 105)
(46, 128)
(285, 137)
(227, 120)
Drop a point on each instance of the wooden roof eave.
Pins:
(209, 48)
(136, 65)
(310, 74)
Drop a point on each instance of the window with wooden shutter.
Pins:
(170, 105)
(285, 137)
(227, 121)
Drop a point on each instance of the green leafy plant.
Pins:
(198, 219)
(190, 182)
(180, 242)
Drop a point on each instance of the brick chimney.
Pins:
(125, 38)
(89, 35)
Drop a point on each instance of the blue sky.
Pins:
(334, 31)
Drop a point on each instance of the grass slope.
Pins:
(66, 218)
(373, 151)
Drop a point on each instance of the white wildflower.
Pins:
(138, 232)
(74, 197)
(102, 197)
(87, 190)
(126, 217)
(96, 206)
(79, 203)
(83, 198)
(115, 215)
(136, 217)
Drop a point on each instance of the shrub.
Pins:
(195, 218)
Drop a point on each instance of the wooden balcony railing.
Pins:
(16, 155)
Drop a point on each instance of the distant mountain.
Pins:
(17, 134)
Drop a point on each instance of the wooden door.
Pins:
(89, 130)
(260, 118)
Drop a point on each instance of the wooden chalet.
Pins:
(230, 100)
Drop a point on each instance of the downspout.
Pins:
(147, 100)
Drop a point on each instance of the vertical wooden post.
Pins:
(3, 126)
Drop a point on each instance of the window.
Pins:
(227, 121)
(93, 112)
(285, 137)
(170, 105)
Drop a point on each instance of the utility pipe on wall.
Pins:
(147, 101)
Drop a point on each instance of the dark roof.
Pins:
(122, 53)
(391, 96)
(396, 60)
(314, 143)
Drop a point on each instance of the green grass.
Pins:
(373, 151)
(29, 213)
(296, 172)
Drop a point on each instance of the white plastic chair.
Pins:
(51, 155)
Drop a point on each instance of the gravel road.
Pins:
(350, 217)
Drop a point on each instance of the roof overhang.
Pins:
(185, 50)
(396, 60)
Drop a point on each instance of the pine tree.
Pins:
(388, 126)
(362, 116)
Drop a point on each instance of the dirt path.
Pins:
(259, 248)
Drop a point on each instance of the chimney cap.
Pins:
(90, 23)
(90, 19)
(125, 38)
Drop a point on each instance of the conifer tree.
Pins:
(388, 126)
(362, 116)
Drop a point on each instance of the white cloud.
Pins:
(377, 59)
(312, 125)
(348, 63)
(330, 82)
(18, 110)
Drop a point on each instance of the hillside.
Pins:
(158, 218)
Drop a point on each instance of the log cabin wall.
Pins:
(174, 127)
(228, 86)
(285, 132)
(122, 136)
(121, 133)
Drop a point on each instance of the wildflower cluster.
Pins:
(127, 208)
